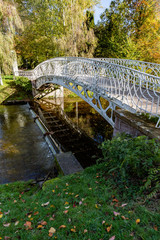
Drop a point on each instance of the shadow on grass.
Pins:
(11, 92)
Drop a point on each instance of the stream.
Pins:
(25, 155)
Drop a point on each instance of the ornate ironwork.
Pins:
(147, 67)
(94, 80)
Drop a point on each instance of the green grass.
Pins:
(84, 203)
(9, 91)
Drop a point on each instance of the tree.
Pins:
(10, 23)
(55, 28)
(130, 29)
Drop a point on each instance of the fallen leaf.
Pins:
(73, 230)
(76, 196)
(51, 219)
(115, 200)
(52, 206)
(16, 223)
(67, 207)
(112, 238)
(29, 216)
(51, 231)
(15, 201)
(40, 226)
(109, 228)
(6, 224)
(103, 222)
(62, 226)
(6, 238)
(43, 223)
(66, 203)
(155, 228)
(116, 213)
(69, 220)
(36, 213)
(44, 204)
(53, 190)
(124, 218)
(66, 211)
(124, 204)
(1, 215)
(67, 184)
(28, 225)
(85, 230)
(96, 205)
(80, 203)
(138, 221)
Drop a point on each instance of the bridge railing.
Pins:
(147, 67)
(128, 88)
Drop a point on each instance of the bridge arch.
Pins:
(91, 96)
(121, 86)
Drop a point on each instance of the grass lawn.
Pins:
(81, 206)
(9, 91)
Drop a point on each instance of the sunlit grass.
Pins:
(80, 206)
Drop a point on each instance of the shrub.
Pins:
(134, 163)
(24, 83)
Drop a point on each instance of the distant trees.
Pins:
(55, 28)
(10, 23)
(130, 29)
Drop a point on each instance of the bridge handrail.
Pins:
(147, 67)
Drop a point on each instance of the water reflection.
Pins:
(82, 115)
(23, 152)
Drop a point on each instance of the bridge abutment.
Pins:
(129, 123)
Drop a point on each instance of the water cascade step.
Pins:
(68, 136)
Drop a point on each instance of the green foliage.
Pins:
(24, 83)
(130, 29)
(147, 117)
(134, 163)
(10, 24)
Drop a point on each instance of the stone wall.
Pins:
(126, 122)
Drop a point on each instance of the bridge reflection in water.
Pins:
(78, 128)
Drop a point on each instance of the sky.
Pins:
(98, 11)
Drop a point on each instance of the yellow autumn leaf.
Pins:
(138, 221)
(96, 205)
(109, 228)
(66, 203)
(73, 230)
(40, 226)
(76, 196)
(53, 190)
(1, 215)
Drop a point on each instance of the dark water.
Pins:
(83, 116)
(76, 127)
(24, 153)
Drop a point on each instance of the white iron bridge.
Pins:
(106, 84)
